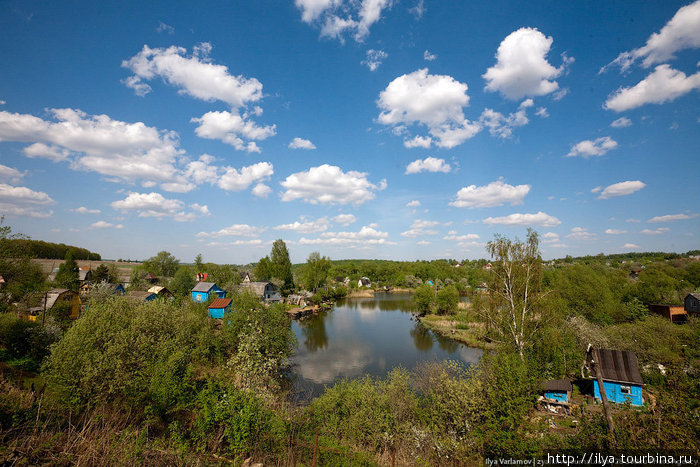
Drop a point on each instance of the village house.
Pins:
(557, 395)
(201, 277)
(219, 307)
(673, 313)
(364, 282)
(161, 291)
(84, 274)
(141, 297)
(245, 276)
(203, 290)
(634, 272)
(265, 291)
(619, 370)
(65, 298)
(691, 304)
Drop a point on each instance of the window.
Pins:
(625, 390)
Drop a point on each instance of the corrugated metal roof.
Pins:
(220, 303)
(563, 385)
(203, 286)
(619, 365)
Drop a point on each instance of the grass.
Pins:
(462, 327)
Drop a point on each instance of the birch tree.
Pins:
(513, 309)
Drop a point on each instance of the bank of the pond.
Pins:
(458, 327)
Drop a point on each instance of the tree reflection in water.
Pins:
(314, 330)
(422, 337)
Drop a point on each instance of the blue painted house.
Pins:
(558, 390)
(219, 306)
(619, 370)
(203, 290)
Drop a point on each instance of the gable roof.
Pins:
(695, 295)
(203, 286)
(53, 294)
(258, 288)
(220, 303)
(558, 385)
(619, 365)
(140, 296)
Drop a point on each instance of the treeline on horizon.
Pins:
(47, 250)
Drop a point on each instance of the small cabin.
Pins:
(634, 272)
(691, 304)
(161, 291)
(141, 297)
(558, 390)
(203, 290)
(619, 370)
(364, 282)
(245, 276)
(63, 298)
(219, 307)
(84, 274)
(201, 277)
(263, 290)
(673, 313)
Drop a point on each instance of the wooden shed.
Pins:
(263, 290)
(673, 313)
(691, 304)
(63, 297)
(619, 371)
(161, 291)
(203, 290)
(219, 307)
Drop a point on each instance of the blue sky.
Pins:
(383, 129)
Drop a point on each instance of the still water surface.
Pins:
(366, 336)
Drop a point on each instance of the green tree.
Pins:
(281, 265)
(67, 275)
(422, 298)
(447, 300)
(315, 272)
(515, 294)
(198, 264)
(101, 273)
(263, 270)
(182, 282)
(163, 264)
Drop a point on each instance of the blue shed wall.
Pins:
(199, 296)
(557, 396)
(614, 393)
(217, 312)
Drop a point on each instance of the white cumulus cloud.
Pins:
(518, 219)
(622, 122)
(84, 210)
(156, 205)
(671, 217)
(344, 219)
(10, 174)
(522, 68)
(413, 204)
(366, 236)
(235, 230)
(232, 128)
(621, 189)
(615, 231)
(328, 184)
(105, 225)
(429, 164)
(338, 17)
(681, 32)
(23, 201)
(237, 180)
(495, 193)
(664, 84)
(300, 143)
(581, 233)
(306, 226)
(428, 57)
(657, 231)
(588, 148)
(434, 101)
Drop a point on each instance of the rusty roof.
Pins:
(220, 303)
(619, 365)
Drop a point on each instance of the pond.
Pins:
(366, 336)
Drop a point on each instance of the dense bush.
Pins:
(140, 354)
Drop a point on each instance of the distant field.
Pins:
(48, 265)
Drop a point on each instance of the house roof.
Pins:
(159, 290)
(203, 286)
(220, 303)
(139, 295)
(53, 294)
(558, 385)
(619, 365)
(83, 273)
(258, 288)
(692, 294)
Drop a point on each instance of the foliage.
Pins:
(104, 273)
(163, 264)
(263, 270)
(21, 338)
(447, 300)
(48, 250)
(315, 272)
(281, 265)
(514, 313)
(137, 354)
(182, 282)
(422, 298)
(67, 275)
